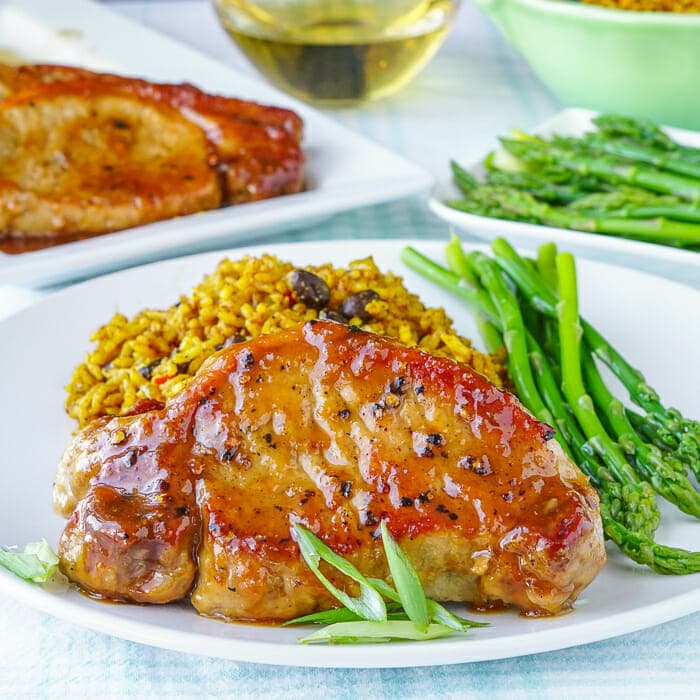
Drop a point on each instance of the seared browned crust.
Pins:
(338, 430)
(73, 165)
(181, 151)
(14, 79)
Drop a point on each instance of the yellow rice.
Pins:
(155, 353)
(650, 5)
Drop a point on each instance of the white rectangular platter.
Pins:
(571, 122)
(344, 170)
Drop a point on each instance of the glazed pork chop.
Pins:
(71, 165)
(14, 79)
(87, 153)
(339, 430)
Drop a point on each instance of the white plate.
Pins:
(569, 122)
(51, 337)
(344, 170)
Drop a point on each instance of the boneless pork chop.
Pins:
(339, 430)
(71, 165)
(87, 153)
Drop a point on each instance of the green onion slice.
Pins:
(36, 562)
(376, 632)
(325, 617)
(369, 605)
(406, 580)
(440, 614)
(380, 585)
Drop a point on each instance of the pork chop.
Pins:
(254, 151)
(76, 165)
(14, 79)
(339, 430)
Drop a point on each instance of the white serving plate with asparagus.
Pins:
(678, 263)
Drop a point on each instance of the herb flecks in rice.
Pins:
(155, 354)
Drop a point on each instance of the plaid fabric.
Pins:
(44, 657)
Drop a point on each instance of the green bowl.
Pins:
(644, 64)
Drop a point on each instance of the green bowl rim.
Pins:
(588, 11)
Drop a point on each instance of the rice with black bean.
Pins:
(155, 354)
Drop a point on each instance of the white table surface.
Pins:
(475, 88)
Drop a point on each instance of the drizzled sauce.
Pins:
(211, 472)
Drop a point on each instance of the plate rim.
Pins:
(450, 651)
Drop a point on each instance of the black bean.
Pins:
(332, 315)
(309, 288)
(147, 371)
(355, 306)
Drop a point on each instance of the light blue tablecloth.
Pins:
(44, 657)
(475, 88)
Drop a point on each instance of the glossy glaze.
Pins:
(86, 153)
(338, 430)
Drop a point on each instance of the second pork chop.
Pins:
(253, 151)
(91, 162)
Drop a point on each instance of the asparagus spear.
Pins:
(644, 132)
(514, 336)
(635, 542)
(641, 130)
(547, 265)
(636, 503)
(461, 287)
(609, 168)
(632, 202)
(506, 202)
(655, 433)
(570, 334)
(463, 179)
(663, 472)
(643, 549)
(686, 431)
(459, 265)
(640, 153)
(627, 520)
(556, 189)
(629, 504)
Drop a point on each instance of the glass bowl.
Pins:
(337, 51)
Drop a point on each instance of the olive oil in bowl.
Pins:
(337, 51)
